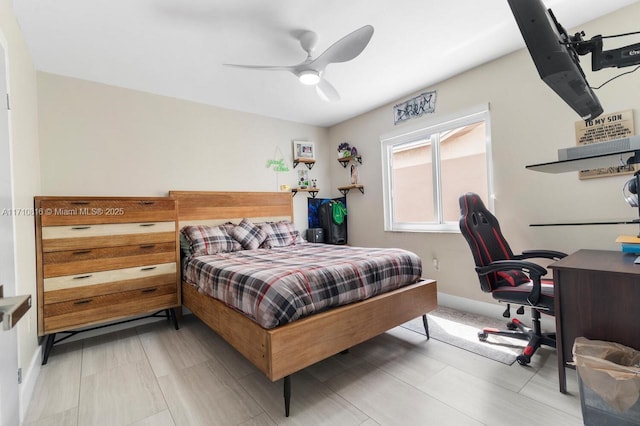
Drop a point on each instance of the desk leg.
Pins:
(562, 374)
(562, 377)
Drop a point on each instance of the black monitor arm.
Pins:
(622, 57)
(615, 58)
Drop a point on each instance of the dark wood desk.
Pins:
(597, 294)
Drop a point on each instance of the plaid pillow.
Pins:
(279, 234)
(204, 240)
(248, 235)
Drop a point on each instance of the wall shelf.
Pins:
(591, 222)
(308, 162)
(345, 189)
(586, 163)
(346, 160)
(312, 191)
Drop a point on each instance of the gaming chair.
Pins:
(508, 277)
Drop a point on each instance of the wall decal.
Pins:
(424, 103)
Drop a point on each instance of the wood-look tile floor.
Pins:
(155, 375)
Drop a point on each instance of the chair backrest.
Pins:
(482, 231)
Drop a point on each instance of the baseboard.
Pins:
(29, 380)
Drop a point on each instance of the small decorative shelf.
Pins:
(346, 160)
(308, 162)
(345, 189)
(312, 191)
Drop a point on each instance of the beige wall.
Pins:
(528, 124)
(103, 140)
(26, 169)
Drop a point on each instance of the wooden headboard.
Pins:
(215, 208)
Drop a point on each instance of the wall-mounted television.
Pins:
(556, 60)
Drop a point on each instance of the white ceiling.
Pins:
(177, 47)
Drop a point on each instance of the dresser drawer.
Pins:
(70, 262)
(89, 291)
(103, 277)
(59, 238)
(87, 311)
(79, 210)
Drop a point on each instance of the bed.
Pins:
(284, 349)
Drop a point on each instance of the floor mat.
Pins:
(460, 329)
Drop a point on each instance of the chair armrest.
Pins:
(541, 254)
(529, 268)
(534, 271)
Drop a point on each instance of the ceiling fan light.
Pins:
(309, 77)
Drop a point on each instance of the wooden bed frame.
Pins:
(282, 351)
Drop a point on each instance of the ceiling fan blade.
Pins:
(263, 67)
(345, 49)
(326, 91)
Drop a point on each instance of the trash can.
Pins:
(609, 381)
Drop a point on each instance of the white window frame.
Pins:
(426, 132)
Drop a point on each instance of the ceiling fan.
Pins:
(311, 70)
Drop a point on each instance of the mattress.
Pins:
(279, 285)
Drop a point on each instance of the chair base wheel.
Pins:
(482, 336)
(511, 326)
(523, 359)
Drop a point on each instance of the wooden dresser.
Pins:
(100, 259)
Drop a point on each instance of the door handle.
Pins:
(12, 309)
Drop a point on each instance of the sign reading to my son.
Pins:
(604, 128)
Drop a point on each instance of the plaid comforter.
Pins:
(279, 285)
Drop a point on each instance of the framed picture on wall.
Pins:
(303, 150)
(303, 178)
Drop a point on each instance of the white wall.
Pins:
(23, 127)
(528, 124)
(97, 139)
(103, 140)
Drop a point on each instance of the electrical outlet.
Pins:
(436, 264)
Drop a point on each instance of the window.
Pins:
(425, 171)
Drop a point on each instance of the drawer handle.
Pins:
(78, 228)
(147, 224)
(83, 302)
(82, 277)
(79, 203)
(149, 268)
(147, 246)
(81, 252)
(147, 203)
(149, 290)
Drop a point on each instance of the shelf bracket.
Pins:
(311, 192)
(345, 191)
(309, 165)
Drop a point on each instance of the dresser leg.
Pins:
(47, 347)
